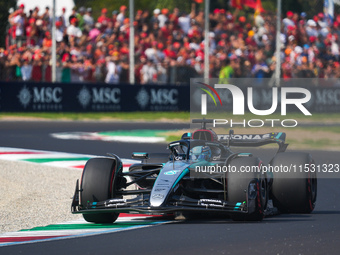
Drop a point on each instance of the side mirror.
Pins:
(140, 155)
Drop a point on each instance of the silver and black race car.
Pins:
(200, 175)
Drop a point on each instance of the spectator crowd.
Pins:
(93, 49)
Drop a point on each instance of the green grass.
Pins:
(314, 144)
(172, 138)
(155, 116)
(324, 128)
(147, 116)
(316, 117)
(317, 142)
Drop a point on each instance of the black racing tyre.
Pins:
(294, 191)
(96, 185)
(237, 184)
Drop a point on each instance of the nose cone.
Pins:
(165, 182)
(157, 200)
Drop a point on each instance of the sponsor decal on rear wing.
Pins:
(254, 140)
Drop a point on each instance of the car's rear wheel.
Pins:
(238, 183)
(97, 185)
(294, 191)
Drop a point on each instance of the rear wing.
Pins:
(251, 140)
(254, 140)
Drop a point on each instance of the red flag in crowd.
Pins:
(255, 4)
(236, 4)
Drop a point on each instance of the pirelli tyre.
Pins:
(294, 191)
(97, 185)
(237, 185)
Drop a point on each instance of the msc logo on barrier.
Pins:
(158, 99)
(42, 98)
(103, 98)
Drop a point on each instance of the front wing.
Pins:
(181, 203)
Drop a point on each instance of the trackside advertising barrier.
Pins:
(62, 97)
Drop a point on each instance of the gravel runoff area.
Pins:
(34, 195)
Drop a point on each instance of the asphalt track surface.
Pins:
(317, 233)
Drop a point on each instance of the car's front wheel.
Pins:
(97, 185)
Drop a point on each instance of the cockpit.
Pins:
(197, 150)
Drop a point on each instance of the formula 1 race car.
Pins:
(200, 175)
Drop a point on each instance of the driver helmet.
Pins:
(200, 153)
